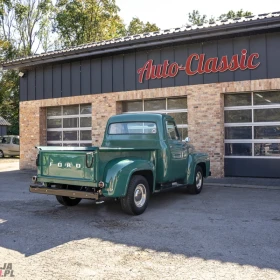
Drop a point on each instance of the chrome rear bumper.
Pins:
(35, 188)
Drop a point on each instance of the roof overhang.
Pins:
(153, 39)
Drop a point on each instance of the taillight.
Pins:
(37, 159)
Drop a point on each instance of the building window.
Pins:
(69, 125)
(252, 125)
(175, 107)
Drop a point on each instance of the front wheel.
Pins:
(68, 201)
(197, 185)
(1, 154)
(137, 197)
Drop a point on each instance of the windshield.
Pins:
(133, 128)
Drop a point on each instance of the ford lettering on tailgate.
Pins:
(67, 165)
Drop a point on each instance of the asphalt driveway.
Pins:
(223, 233)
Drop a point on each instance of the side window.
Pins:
(16, 141)
(6, 140)
(172, 131)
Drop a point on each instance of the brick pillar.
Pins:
(30, 133)
(102, 109)
(43, 126)
(206, 126)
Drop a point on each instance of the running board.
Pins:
(170, 186)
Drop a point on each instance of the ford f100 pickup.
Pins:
(141, 154)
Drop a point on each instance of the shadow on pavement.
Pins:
(230, 225)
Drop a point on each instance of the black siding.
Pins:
(85, 78)
(168, 54)
(107, 74)
(31, 85)
(258, 44)
(225, 47)
(119, 72)
(180, 55)
(39, 83)
(141, 59)
(129, 72)
(57, 81)
(23, 87)
(48, 82)
(273, 57)
(96, 68)
(155, 55)
(66, 78)
(210, 50)
(76, 78)
(240, 44)
(195, 79)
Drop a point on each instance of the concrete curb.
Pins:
(242, 186)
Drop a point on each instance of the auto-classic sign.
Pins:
(211, 65)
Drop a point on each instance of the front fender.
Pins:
(118, 172)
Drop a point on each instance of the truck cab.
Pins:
(158, 132)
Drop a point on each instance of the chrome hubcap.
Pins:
(140, 195)
(198, 180)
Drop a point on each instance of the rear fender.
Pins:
(193, 161)
(118, 172)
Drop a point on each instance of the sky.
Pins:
(168, 14)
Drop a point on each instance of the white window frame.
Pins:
(166, 111)
(252, 124)
(61, 129)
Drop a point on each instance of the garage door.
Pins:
(252, 134)
(69, 125)
(175, 107)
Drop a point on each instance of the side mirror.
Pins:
(187, 139)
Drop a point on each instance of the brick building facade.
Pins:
(67, 96)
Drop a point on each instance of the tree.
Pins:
(136, 26)
(23, 23)
(84, 21)
(9, 100)
(231, 14)
(196, 18)
(23, 26)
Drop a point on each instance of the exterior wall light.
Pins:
(21, 74)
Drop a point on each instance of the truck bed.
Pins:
(79, 164)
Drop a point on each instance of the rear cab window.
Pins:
(132, 128)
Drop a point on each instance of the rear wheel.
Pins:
(68, 201)
(137, 197)
(197, 185)
(1, 154)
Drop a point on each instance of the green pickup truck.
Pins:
(140, 154)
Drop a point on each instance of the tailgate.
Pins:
(78, 164)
